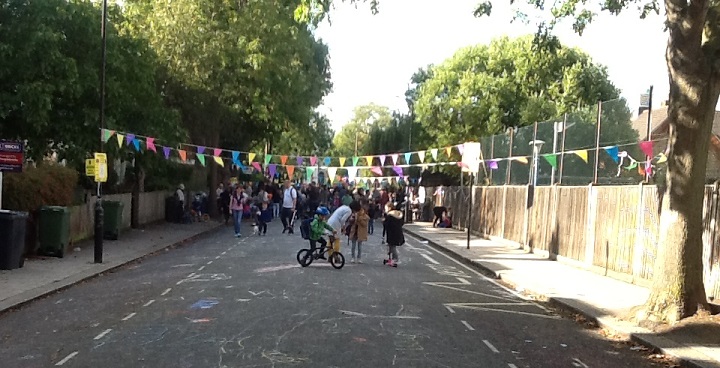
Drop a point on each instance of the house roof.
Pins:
(657, 119)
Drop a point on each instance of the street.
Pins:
(227, 302)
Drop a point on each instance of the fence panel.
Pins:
(571, 224)
(540, 227)
(515, 202)
(616, 228)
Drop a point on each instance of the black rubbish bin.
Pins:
(170, 206)
(12, 239)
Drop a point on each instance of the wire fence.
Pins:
(567, 150)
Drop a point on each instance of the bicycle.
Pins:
(306, 256)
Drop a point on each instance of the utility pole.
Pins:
(98, 249)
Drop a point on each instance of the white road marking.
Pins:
(430, 259)
(166, 291)
(149, 302)
(183, 265)
(449, 309)
(491, 347)
(131, 315)
(511, 291)
(223, 253)
(65, 360)
(463, 281)
(467, 325)
(218, 257)
(102, 334)
(578, 363)
(478, 306)
(209, 262)
(201, 268)
(510, 365)
(358, 314)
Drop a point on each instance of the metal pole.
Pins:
(492, 155)
(98, 203)
(562, 149)
(1, 188)
(469, 220)
(533, 167)
(649, 132)
(555, 135)
(509, 162)
(597, 143)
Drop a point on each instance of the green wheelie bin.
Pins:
(54, 230)
(112, 212)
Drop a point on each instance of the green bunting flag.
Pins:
(551, 158)
(267, 159)
(201, 158)
(355, 160)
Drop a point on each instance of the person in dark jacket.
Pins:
(392, 226)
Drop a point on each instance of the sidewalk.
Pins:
(44, 275)
(600, 299)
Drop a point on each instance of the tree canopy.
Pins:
(357, 131)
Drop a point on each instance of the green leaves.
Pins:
(483, 89)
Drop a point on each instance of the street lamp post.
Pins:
(559, 127)
(537, 146)
(98, 249)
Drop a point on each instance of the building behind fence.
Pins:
(612, 230)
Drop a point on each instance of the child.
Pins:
(265, 215)
(372, 213)
(392, 226)
(359, 233)
(318, 227)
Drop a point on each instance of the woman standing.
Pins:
(359, 233)
(236, 206)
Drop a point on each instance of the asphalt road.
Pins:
(227, 302)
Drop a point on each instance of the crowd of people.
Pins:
(347, 210)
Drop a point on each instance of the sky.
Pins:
(372, 57)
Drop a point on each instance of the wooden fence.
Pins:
(612, 230)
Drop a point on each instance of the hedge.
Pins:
(45, 185)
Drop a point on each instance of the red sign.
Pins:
(11, 156)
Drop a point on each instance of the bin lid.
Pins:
(6, 213)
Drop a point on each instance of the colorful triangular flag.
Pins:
(394, 158)
(219, 161)
(150, 144)
(448, 150)
(291, 170)
(382, 160)
(201, 158)
(421, 155)
(236, 158)
(251, 157)
(201, 150)
(377, 170)
(309, 172)
(283, 159)
(583, 154)
(613, 152)
(106, 134)
(257, 167)
(368, 160)
(182, 154)
(267, 159)
(120, 139)
(461, 149)
(272, 170)
(551, 159)
(313, 160)
(434, 153)
(522, 160)
(407, 157)
(299, 161)
(136, 143)
(166, 152)
(355, 160)
(332, 171)
(129, 139)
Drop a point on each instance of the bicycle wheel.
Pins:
(337, 260)
(304, 257)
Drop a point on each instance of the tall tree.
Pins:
(482, 90)
(354, 136)
(694, 73)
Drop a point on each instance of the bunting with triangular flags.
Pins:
(421, 155)
(219, 161)
(201, 158)
(355, 160)
(583, 154)
(251, 157)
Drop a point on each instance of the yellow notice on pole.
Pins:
(101, 170)
(90, 167)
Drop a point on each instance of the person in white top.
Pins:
(339, 218)
(289, 204)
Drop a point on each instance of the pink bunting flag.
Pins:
(647, 148)
(493, 165)
(376, 170)
(313, 161)
(217, 152)
(257, 167)
(150, 144)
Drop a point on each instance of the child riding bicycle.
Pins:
(318, 226)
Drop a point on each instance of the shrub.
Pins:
(45, 185)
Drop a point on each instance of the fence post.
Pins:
(504, 210)
(526, 218)
(590, 226)
(639, 245)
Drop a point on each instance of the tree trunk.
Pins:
(138, 187)
(677, 289)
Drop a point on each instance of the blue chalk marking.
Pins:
(204, 304)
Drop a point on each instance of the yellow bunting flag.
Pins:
(522, 160)
(251, 157)
(662, 158)
(368, 160)
(342, 161)
(120, 139)
(448, 150)
(583, 154)
(219, 161)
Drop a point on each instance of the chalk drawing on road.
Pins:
(404, 341)
(259, 292)
(277, 268)
(487, 308)
(363, 315)
(334, 328)
(184, 265)
(205, 304)
(448, 270)
(578, 363)
(276, 357)
(204, 277)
